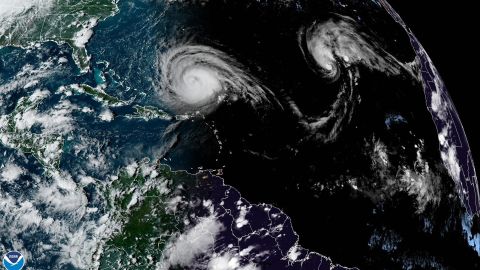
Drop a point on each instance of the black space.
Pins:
(448, 31)
(305, 174)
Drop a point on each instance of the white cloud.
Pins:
(192, 243)
(293, 253)
(17, 12)
(85, 179)
(131, 168)
(340, 40)
(28, 77)
(241, 221)
(228, 261)
(414, 178)
(63, 196)
(449, 157)
(58, 210)
(82, 37)
(57, 120)
(14, 7)
(11, 172)
(106, 115)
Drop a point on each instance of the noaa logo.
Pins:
(13, 260)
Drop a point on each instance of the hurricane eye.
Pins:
(339, 43)
(198, 85)
(319, 51)
(199, 78)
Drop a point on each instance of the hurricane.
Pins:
(336, 50)
(338, 44)
(198, 78)
(233, 135)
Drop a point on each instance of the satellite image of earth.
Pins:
(228, 135)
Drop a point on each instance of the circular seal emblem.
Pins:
(13, 260)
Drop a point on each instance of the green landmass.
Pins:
(28, 142)
(140, 203)
(143, 112)
(150, 112)
(65, 21)
(101, 95)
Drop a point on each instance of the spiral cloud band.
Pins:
(339, 42)
(197, 78)
(335, 49)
